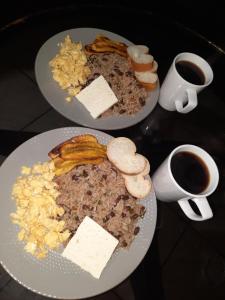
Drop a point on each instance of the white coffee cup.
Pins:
(167, 189)
(178, 94)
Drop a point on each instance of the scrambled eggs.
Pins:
(35, 194)
(69, 67)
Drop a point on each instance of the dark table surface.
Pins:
(186, 259)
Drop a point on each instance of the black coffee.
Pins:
(190, 172)
(190, 72)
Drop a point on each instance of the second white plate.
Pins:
(56, 276)
(74, 110)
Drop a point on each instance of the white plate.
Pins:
(74, 110)
(55, 276)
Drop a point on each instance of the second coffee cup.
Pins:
(188, 75)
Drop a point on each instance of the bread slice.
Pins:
(136, 50)
(147, 79)
(154, 67)
(140, 60)
(122, 153)
(143, 59)
(79, 138)
(146, 170)
(137, 185)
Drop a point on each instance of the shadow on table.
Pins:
(146, 280)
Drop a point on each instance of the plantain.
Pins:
(84, 137)
(70, 147)
(82, 149)
(83, 153)
(65, 169)
(64, 163)
(106, 40)
(72, 164)
(103, 44)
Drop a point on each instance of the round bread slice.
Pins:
(146, 170)
(147, 79)
(140, 60)
(137, 185)
(144, 173)
(136, 50)
(122, 153)
(154, 67)
(143, 59)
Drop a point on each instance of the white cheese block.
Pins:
(91, 247)
(97, 97)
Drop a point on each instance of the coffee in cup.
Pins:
(190, 72)
(190, 172)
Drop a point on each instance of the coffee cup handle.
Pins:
(203, 206)
(192, 102)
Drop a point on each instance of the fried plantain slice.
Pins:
(64, 163)
(106, 40)
(103, 44)
(84, 137)
(106, 48)
(57, 161)
(70, 147)
(78, 150)
(66, 168)
(83, 153)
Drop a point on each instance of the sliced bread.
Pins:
(122, 153)
(137, 185)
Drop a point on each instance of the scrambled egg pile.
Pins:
(69, 67)
(35, 195)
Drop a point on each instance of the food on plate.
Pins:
(137, 185)
(122, 153)
(82, 153)
(144, 66)
(85, 138)
(134, 167)
(146, 170)
(111, 66)
(91, 247)
(97, 97)
(147, 79)
(83, 178)
(36, 210)
(101, 194)
(69, 67)
(139, 57)
(117, 71)
(103, 44)
(80, 150)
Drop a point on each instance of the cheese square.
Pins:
(91, 247)
(97, 97)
